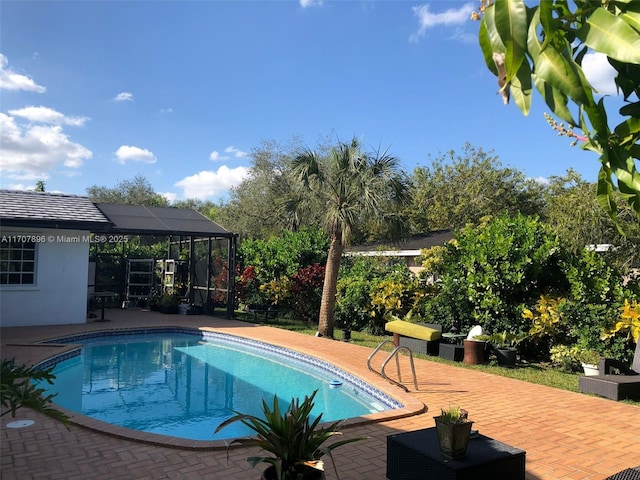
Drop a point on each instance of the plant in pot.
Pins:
(168, 303)
(589, 360)
(343, 322)
(454, 428)
(292, 440)
(504, 344)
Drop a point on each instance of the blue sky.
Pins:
(93, 93)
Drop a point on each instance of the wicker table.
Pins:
(415, 455)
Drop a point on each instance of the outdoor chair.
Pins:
(616, 380)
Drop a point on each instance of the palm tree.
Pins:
(352, 187)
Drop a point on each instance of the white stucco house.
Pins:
(44, 250)
(44, 257)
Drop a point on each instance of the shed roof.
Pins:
(160, 220)
(53, 210)
(410, 246)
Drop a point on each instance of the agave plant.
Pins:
(293, 441)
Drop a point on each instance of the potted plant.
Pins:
(292, 440)
(454, 428)
(168, 303)
(343, 323)
(589, 360)
(504, 345)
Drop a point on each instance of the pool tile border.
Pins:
(396, 409)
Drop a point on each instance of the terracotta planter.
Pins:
(453, 439)
(474, 352)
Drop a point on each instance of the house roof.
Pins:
(410, 246)
(49, 210)
(53, 210)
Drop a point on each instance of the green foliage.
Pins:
(137, 191)
(565, 358)
(366, 286)
(544, 46)
(456, 190)
(18, 388)
(454, 415)
(547, 320)
(292, 438)
(395, 293)
(491, 270)
(628, 322)
(506, 339)
(573, 213)
(283, 255)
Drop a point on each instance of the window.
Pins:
(17, 262)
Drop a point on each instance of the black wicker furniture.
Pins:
(617, 386)
(416, 455)
(626, 474)
(423, 338)
(452, 352)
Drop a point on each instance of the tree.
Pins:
(457, 190)
(266, 202)
(573, 213)
(352, 187)
(545, 45)
(137, 191)
(39, 186)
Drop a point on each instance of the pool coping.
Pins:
(410, 405)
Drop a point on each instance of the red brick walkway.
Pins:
(566, 435)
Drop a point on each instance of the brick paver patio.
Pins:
(566, 435)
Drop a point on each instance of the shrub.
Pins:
(306, 292)
(490, 271)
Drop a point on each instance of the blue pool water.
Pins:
(185, 385)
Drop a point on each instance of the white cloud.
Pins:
(48, 115)
(170, 196)
(448, 18)
(11, 80)
(123, 97)
(600, 73)
(127, 153)
(21, 186)
(207, 183)
(166, 110)
(30, 152)
(310, 3)
(235, 152)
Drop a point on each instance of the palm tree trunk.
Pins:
(325, 322)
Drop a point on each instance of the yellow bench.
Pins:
(421, 338)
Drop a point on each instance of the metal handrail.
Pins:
(393, 354)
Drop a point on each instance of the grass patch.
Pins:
(537, 373)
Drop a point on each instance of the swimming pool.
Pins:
(182, 384)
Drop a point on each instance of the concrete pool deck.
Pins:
(566, 435)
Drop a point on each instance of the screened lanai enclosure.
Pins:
(163, 258)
